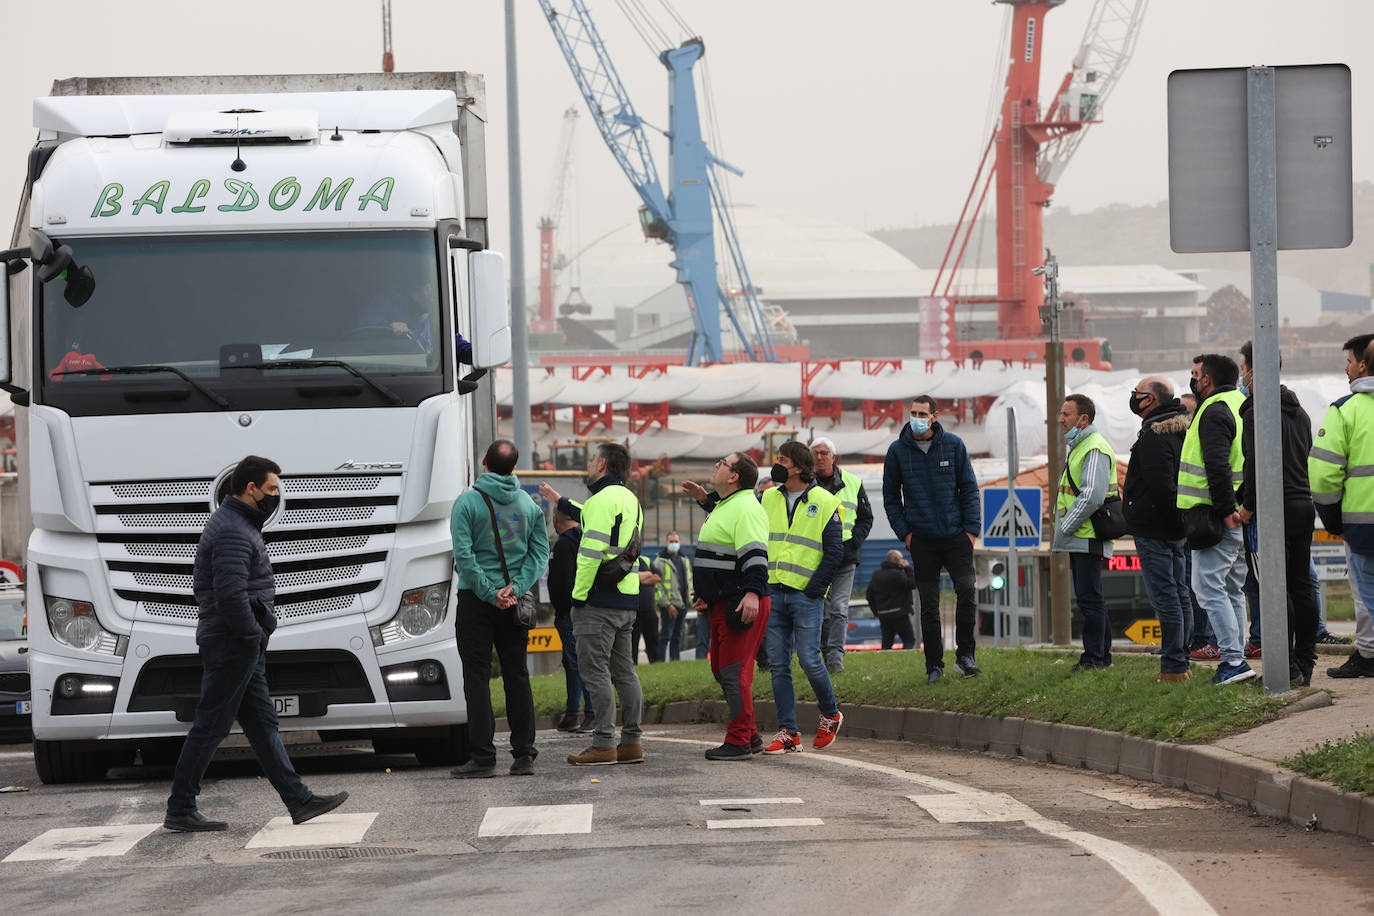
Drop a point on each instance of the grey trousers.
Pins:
(835, 619)
(607, 667)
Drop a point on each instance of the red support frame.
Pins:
(588, 417)
(757, 422)
(642, 416)
(543, 413)
(877, 412)
(813, 407)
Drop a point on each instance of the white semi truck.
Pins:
(212, 267)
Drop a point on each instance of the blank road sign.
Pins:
(1209, 197)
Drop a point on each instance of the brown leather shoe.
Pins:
(595, 757)
(629, 753)
(1172, 678)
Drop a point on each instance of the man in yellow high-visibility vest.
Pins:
(1341, 470)
(856, 516)
(1211, 469)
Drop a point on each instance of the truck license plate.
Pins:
(287, 706)
(23, 708)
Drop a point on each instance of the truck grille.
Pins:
(14, 682)
(328, 544)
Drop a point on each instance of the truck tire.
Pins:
(58, 763)
(449, 750)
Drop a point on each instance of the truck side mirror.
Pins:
(6, 370)
(487, 297)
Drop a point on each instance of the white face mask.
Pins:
(674, 546)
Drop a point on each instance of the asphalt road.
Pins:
(866, 827)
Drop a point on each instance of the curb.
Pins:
(1260, 785)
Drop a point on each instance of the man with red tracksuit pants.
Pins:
(730, 572)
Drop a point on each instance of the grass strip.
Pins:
(1348, 765)
(1015, 682)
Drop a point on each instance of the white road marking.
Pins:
(716, 802)
(1144, 801)
(974, 807)
(128, 810)
(15, 755)
(1161, 886)
(325, 830)
(765, 822)
(82, 842)
(536, 820)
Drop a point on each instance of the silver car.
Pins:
(16, 716)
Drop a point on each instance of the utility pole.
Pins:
(1061, 621)
(519, 319)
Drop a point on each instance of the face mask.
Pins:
(1136, 400)
(1072, 435)
(1243, 388)
(268, 504)
(778, 474)
(920, 425)
(674, 547)
(1192, 386)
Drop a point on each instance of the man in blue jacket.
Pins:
(232, 582)
(491, 579)
(931, 498)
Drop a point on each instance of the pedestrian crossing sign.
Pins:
(1016, 515)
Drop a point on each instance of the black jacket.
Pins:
(1296, 441)
(232, 578)
(891, 588)
(563, 570)
(1151, 490)
(863, 518)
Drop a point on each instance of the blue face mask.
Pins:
(674, 546)
(1243, 388)
(920, 425)
(1072, 435)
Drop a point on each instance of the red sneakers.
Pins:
(826, 731)
(1253, 651)
(785, 743)
(1205, 654)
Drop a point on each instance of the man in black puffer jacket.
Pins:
(890, 598)
(1153, 518)
(233, 585)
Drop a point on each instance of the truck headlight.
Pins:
(74, 623)
(421, 611)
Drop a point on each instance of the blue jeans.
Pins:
(577, 691)
(670, 634)
(703, 636)
(233, 685)
(1202, 627)
(1165, 569)
(1219, 583)
(794, 621)
(1362, 577)
(1097, 629)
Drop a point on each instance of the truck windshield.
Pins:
(346, 314)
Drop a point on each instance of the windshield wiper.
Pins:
(376, 386)
(148, 370)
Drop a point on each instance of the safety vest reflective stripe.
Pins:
(712, 562)
(1094, 443)
(609, 505)
(1360, 470)
(1193, 489)
(1322, 454)
(795, 548)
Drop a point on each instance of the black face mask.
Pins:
(1136, 400)
(1192, 386)
(778, 474)
(268, 504)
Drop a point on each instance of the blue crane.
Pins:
(684, 218)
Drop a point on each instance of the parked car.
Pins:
(16, 713)
(864, 631)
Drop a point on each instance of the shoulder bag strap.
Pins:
(496, 533)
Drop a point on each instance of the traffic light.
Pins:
(997, 575)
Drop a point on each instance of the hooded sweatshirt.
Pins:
(1295, 438)
(524, 537)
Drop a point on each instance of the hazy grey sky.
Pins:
(870, 113)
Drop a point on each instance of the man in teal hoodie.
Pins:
(486, 605)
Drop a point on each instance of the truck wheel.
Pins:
(449, 750)
(57, 763)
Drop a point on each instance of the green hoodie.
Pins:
(523, 534)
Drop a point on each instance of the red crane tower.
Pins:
(1032, 146)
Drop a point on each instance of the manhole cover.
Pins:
(340, 852)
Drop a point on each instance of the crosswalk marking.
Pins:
(746, 822)
(716, 802)
(536, 820)
(81, 842)
(325, 830)
(973, 807)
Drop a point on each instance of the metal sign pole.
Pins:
(1264, 282)
(1061, 618)
(1013, 571)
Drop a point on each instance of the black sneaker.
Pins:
(965, 666)
(195, 822)
(934, 674)
(588, 725)
(567, 724)
(1327, 638)
(1355, 666)
(729, 751)
(522, 766)
(472, 770)
(756, 744)
(317, 805)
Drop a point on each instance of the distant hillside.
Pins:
(1119, 234)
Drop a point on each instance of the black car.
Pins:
(16, 718)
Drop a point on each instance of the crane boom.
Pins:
(687, 218)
